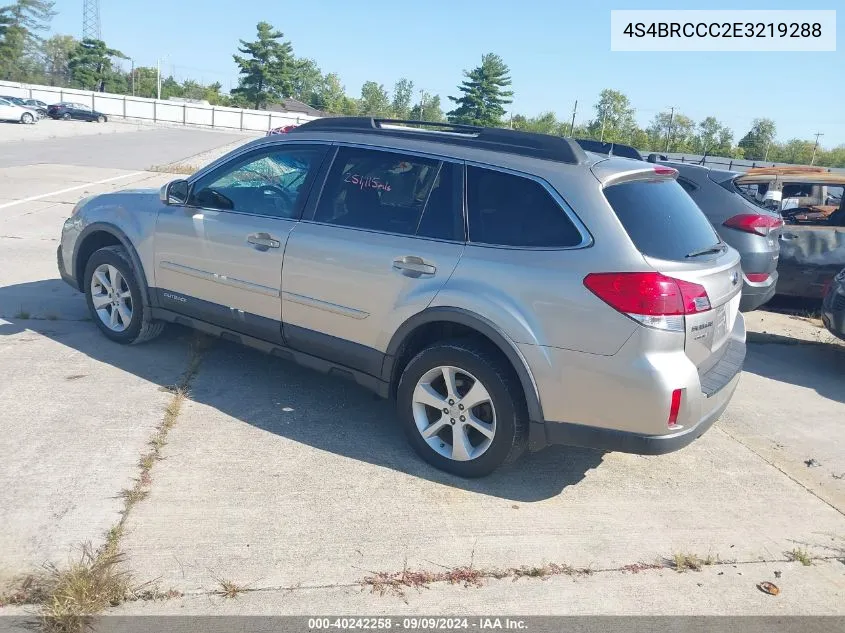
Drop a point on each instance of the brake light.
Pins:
(675, 407)
(665, 171)
(757, 277)
(651, 298)
(754, 223)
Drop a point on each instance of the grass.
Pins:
(682, 562)
(187, 170)
(229, 589)
(22, 314)
(800, 555)
(86, 587)
(469, 576)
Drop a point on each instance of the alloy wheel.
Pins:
(454, 413)
(111, 298)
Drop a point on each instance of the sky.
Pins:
(558, 51)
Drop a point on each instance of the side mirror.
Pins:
(174, 192)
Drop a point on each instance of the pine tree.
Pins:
(484, 93)
(267, 72)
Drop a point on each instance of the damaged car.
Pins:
(812, 241)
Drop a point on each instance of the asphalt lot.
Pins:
(296, 487)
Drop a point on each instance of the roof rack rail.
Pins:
(544, 146)
(611, 149)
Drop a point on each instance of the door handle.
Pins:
(413, 266)
(263, 241)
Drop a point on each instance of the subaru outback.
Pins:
(508, 290)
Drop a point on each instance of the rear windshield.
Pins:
(661, 219)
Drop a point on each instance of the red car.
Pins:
(280, 130)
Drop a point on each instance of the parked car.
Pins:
(833, 306)
(22, 103)
(10, 111)
(750, 230)
(507, 289)
(284, 129)
(812, 241)
(80, 111)
(40, 106)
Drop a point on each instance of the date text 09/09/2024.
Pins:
(418, 623)
(724, 29)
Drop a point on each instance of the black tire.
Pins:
(497, 376)
(65, 117)
(142, 327)
(101, 119)
(27, 118)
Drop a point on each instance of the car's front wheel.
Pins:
(462, 408)
(115, 299)
(101, 119)
(65, 117)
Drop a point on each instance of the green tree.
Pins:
(485, 93)
(758, 139)
(56, 52)
(678, 129)
(374, 100)
(545, 123)
(90, 64)
(20, 24)
(266, 67)
(428, 109)
(146, 82)
(306, 79)
(402, 95)
(330, 95)
(614, 120)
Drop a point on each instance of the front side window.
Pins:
(270, 184)
(390, 192)
(509, 210)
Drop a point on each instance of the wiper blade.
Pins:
(716, 248)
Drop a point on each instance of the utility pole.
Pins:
(133, 76)
(813, 159)
(422, 104)
(158, 78)
(601, 140)
(669, 131)
(572, 123)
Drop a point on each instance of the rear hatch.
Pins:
(677, 240)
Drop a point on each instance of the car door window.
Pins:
(271, 183)
(510, 210)
(391, 192)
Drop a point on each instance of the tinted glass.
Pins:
(270, 184)
(509, 210)
(380, 191)
(442, 218)
(661, 219)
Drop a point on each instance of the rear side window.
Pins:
(509, 210)
(661, 219)
(391, 192)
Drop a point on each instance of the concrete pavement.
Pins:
(296, 487)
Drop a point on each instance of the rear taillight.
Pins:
(757, 277)
(652, 299)
(754, 223)
(665, 171)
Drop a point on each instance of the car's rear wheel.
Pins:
(115, 299)
(462, 408)
(65, 117)
(27, 118)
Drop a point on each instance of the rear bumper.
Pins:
(755, 295)
(627, 442)
(622, 402)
